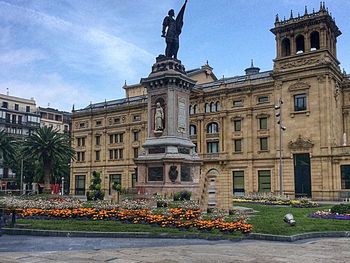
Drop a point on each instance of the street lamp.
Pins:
(278, 109)
(62, 186)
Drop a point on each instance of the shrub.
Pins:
(95, 192)
(182, 196)
(341, 209)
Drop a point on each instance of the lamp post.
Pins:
(62, 186)
(282, 128)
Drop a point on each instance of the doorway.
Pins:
(302, 175)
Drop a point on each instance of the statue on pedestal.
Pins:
(158, 118)
(171, 30)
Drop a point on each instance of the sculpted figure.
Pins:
(158, 118)
(171, 31)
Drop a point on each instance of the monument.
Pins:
(169, 163)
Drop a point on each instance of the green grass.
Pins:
(269, 220)
(114, 226)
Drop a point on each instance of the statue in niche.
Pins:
(173, 173)
(171, 31)
(158, 118)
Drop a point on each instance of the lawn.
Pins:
(269, 220)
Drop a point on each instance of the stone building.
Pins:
(58, 120)
(236, 123)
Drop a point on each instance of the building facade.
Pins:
(58, 120)
(19, 118)
(245, 128)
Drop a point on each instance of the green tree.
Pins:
(7, 147)
(50, 147)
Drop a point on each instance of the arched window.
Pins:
(315, 40)
(300, 44)
(190, 110)
(213, 127)
(207, 107)
(285, 47)
(195, 108)
(193, 129)
(212, 107)
(217, 106)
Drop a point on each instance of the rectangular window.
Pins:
(136, 135)
(136, 152)
(16, 107)
(133, 180)
(300, 102)
(111, 138)
(263, 123)
(345, 176)
(80, 156)
(264, 179)
(238, 183)
(237, 125)
(97, 155)
(111, 154)
(80, 185)
(14, 119)
(5, 104)
(238, 145)
(136, 118)
(98, 139)
(237, 103)
(114, 178)
(116, 120)
(212, 147)
(8, 118)
(98, 123)
(27, 108)
(82, 125)
(155, 174)
(186, 173)
(263, 99)
(264, 144)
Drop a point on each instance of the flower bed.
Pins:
(340, 212)
(175, 217)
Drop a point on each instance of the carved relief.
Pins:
(300, 144)
(300, 62)
(298, 86)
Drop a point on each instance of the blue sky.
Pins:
(65, 52)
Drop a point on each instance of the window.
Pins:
(193, 129)
(98, 139)
(237, 103)
(285, 47)
(300, 45)
(207, 107)
(212, 107)
(345, 176)
(82, 125)
(237, 125)
(16, 107)
(263, 123)
(195, 110)
(5, 104)
(238, 183)
(80, 185)
(81, 141)
(238, 145)
(80, 156)
(116, 154)
(133, 180)
(190, 110)
(14, 119)
(116, 138)
(315, 40)
(300, 102)
(264, 180)
(212, 147)
(27, 108)
(136, 118)
(155, 174)
(263, 144)
(213, 127)
(20, 119)
(97, 155)
(114, 178)
(8, 118)
(217, 106)
(136, 135)
(116, 120)
(136, 152)
(98, 123)
(263, 99)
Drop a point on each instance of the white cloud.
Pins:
(20, 56)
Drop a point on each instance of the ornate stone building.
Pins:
(237, 123)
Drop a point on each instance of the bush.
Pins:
(95, 192)
(182, 196)
(341, 209)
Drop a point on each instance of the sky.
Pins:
(65, 52)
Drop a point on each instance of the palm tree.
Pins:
(7, 150)
(50, 147)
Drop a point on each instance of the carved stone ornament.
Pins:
(173, 173)
(300, 144)
(299, 86)
(300, 63)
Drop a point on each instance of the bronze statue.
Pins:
(171, 31)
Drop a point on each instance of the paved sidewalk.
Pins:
(315, 250)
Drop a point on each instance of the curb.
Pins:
(251, 236)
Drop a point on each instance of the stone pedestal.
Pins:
(169, 163)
